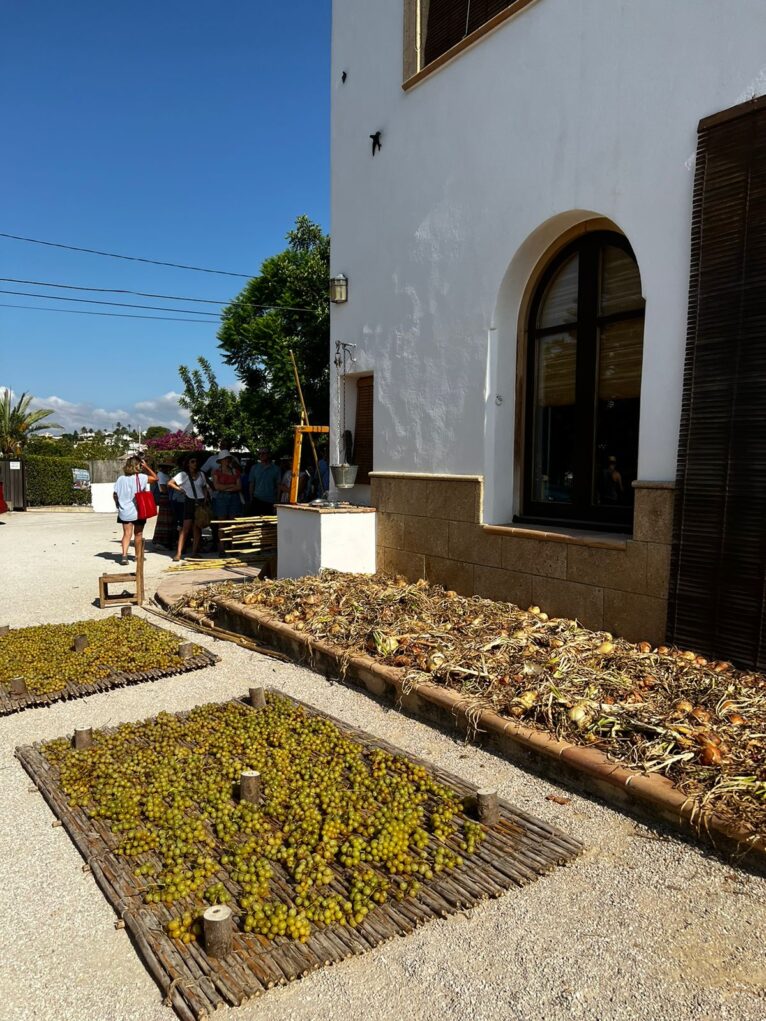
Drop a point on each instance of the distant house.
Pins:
(553, 415)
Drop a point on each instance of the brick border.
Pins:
(650, 797)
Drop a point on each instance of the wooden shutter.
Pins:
(718, 574)
(449, 21)
(363, 429)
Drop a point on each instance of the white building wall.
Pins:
(569, 110)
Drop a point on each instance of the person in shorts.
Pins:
(192, 483)
(132, 480)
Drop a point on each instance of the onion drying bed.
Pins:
(120, 651)
(515, 851)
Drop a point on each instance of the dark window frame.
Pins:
(582, 512)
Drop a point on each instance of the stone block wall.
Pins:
(430, 527)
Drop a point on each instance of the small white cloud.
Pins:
(163, 410)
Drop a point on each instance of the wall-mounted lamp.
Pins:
(339, 289)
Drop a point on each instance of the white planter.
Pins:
(312, 538)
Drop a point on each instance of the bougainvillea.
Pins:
(175, 441)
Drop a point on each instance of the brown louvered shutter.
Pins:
(363, 430)
(449, 21)
(718, 576)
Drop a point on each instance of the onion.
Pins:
(543, 616)
(451, 594)
(737, 720)
(710, 755)
(644, 647)
(701, 715)
(605, 649)
(683, 707)
(663, 650)
(384, 645)
(534, 609)
(648, 681)
(527, 698)
(579, 715)
(709, 738)
(435, 660)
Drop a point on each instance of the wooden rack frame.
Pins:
(300, 430)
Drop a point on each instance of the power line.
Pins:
(114, 315)
(97, 301)
(149, 294)
(129, 258)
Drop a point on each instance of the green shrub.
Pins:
(49, 481)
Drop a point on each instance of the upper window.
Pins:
(433, 28)
(586, 334)
(448, 22)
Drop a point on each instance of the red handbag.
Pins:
(144, 501)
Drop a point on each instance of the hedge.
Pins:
(49, 481)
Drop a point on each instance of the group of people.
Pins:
(219, 488)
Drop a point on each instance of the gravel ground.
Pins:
(642, 926)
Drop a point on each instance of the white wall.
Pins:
(310, 540)
(102, 497)
(572, 108)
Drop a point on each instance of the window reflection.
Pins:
(554, 417)
(586, 336)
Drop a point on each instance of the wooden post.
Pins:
(83, 737)
(218, 930)
(186, 650)
(80, 643)
(257, 698)
(17, 686)
(126, 611)
(305, 414)
(250, 786)
(139, 548)
(487, 807)
(296, 470)
(4, 629)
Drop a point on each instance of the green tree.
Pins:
(285, 308)
(19, 423)
(46, 446)
(154, 431)
(98, 449)
(215, 410)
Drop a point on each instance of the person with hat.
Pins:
(227, 486)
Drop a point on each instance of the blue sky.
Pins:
(189, 132)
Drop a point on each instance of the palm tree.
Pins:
(19, 423)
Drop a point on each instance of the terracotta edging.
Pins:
(647, 795)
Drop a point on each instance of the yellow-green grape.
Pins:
(349, 827)
(44, 656)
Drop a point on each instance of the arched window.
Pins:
(586, 332)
